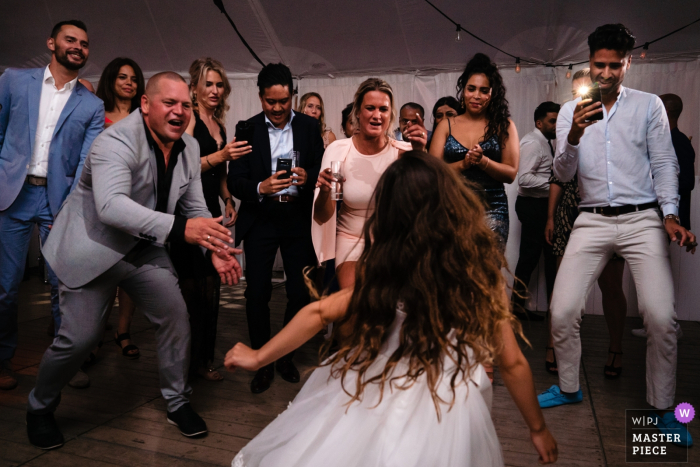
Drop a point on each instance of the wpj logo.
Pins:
(655, 435)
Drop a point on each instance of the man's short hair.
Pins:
(673, 105)
(612, 37)
(273, 74)
(153, 83)
(346, 115)
(71, 22)
(582, 73)
(415, 106)
(544, 108)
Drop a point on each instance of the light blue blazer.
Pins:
(82, 119)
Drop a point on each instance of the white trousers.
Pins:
(641, 239)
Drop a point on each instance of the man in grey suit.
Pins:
(111, 232)
(48, 120)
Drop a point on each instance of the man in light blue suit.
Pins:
(48, 121)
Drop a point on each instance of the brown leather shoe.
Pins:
(7, 377)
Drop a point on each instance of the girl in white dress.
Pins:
(428, 309)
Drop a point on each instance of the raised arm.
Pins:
(306, 324)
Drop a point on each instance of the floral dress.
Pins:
(564, 217)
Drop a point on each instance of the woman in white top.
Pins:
(407, 386)
(365, 156)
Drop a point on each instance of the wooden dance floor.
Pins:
(120, 418)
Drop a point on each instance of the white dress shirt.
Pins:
(281, 146)
(535, 165)
(51, 105)
(617, 157)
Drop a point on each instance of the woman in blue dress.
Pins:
(482, 142)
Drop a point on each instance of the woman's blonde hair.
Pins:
(322, 118)
(429, 248)
(198, 73)
(373, 84)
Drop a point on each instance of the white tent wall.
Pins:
(525, 91)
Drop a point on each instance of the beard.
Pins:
(62, 58)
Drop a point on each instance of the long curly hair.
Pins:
(497, 113)
(427, 247)
(198, 72)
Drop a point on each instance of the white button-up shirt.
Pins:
(51, 105)
(535, 165)
(281, 146)
(617, 157)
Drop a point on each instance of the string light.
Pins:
(458, 37)
(643, 55)
(568, 72)
(517, 65)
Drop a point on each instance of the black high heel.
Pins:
(551, 367)
(611, 371)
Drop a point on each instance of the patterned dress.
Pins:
(564, 217)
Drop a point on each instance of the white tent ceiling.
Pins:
(339, 37)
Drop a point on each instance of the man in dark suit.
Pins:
(275, 211)
(48, 120)
(685, 154)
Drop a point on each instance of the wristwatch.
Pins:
(672, 216)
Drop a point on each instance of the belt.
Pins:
(283, 198)
(37, 181)
(609, 211)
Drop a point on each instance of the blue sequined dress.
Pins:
(492, 191)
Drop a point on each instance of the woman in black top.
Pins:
(199, 281)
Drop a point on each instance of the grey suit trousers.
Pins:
(148, 276)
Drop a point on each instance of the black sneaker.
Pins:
(188, 421)
(43, 431)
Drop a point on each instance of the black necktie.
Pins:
(551, 149)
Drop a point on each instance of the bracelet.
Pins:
(674, 217)
(488, 161)
(207, 159)
(227, 200)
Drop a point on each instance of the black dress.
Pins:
(199, 281)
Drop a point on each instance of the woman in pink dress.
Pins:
(338, 233)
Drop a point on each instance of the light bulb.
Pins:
(643, 55)
(517, 65)
(458, 36)
(568, 72)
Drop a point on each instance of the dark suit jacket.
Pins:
(686, 160)
(245, 173)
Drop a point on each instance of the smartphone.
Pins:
(284, 164)
(593, 92)
(244, 131)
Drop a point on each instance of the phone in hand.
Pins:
(244, 131)
(592, 92)
(284, 164)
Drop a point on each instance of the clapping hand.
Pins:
(475, 155)
(417, 134)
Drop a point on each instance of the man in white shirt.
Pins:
(628, 180)
(536, 154)
(48, 120)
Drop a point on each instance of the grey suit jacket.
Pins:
(112, 208)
